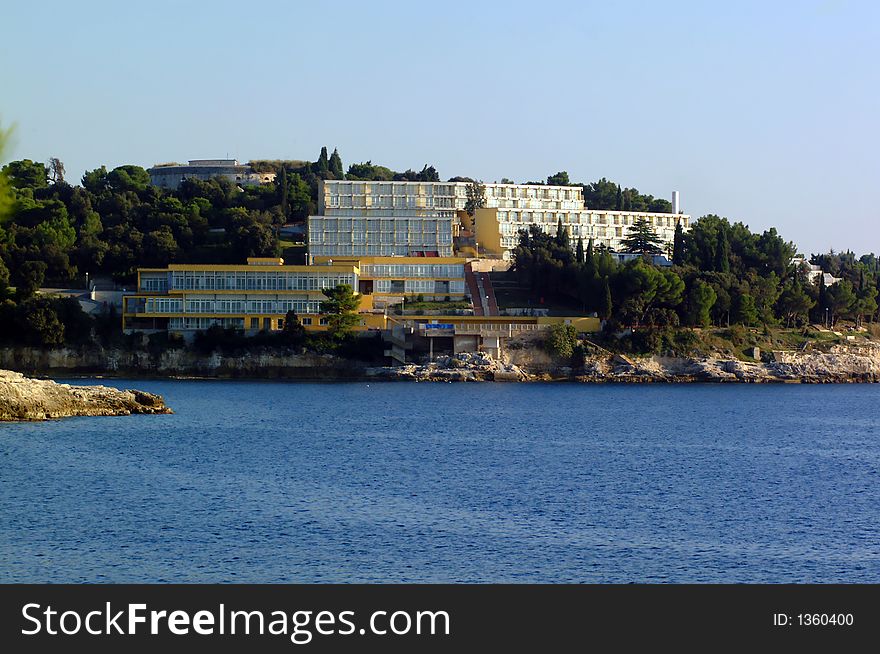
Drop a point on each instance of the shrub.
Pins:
(562, 340)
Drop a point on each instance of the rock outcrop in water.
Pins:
(22, 398)
(464, 366)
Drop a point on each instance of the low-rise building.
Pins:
(395, 280)
(257, 296)
(170, 176)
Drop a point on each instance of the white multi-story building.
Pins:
(381, 218)
(171, 175)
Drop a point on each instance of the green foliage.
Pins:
(369, 172)
(562, 340)
(26, 174)
(559, 179)
(744, 311)
(642, 239)
(476, 198)
(335, 165)
(701, 299)
(128, 178)
(341, 310)
(38, 323)
(28, 278)
(795, 302)
(293, 331)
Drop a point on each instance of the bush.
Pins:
(561, 341)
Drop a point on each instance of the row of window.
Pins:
(205, 323)
(419, 286)
(404, 224)
(223, 305)
(412, 270)
(585, 218)
(338, 249)
(253, 280)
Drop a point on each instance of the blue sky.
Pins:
(762, 112)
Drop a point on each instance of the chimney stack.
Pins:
(676, 203)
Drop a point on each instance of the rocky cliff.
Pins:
(22, 398)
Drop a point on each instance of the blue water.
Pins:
(395, 482)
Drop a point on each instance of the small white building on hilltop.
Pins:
(170, 176)
(814, 272)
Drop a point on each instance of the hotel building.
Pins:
(185, 298)
(381, 218)
(393, 280)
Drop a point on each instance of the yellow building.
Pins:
(185, 298)
(190, 297)
(496, 230)
(395, 280)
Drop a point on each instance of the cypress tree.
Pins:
(335, 165)
(322, 165)
(284, 192)
(605, 306)
(722, 253)
(678, 245)
(619, 204)
(579, 252)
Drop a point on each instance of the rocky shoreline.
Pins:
(22, 399)
(839, 364)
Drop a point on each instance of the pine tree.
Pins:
(335, 165)
(642, 239)
(579, 252)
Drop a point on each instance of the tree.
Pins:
(580, 257)
(841, 300)
(26, 174)
(642, 239)
(128, 178)
(95, 181)
(606, 307)
(794, 302)
(559, 179)
(701, 299)
(293, 330)
(56, 170)
(866, 302)
(6, 199)
(722, 253)
(562, 238)
(335, 165)
(561, 340)
(678, 245)
(744, 311)
(38, 323)
(322, 166)
(29, 278)
(368, 171)
(428, 174)
(476, 198)
(341, 310)
(601, 195)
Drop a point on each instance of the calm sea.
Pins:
(399, 482)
